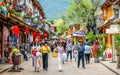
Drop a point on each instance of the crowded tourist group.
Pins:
(65, 51)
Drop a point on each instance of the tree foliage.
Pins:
(61, 26)
(82, 12)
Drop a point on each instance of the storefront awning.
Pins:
(79, 33)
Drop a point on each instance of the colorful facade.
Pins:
(19, 20)
(110, 15)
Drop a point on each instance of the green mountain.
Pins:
(54, 8)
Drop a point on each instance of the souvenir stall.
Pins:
(6, 43)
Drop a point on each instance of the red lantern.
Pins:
(37, 38)
(16, 30)
(45, 35)
(34, 34)
(27, 30)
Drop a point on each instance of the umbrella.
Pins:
(54, 37)
(79, 33)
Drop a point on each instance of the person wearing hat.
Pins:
(81, 50)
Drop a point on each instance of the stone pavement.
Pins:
(6, 66)
(70, 68)
(111, 66)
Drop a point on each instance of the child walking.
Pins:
(75, 53)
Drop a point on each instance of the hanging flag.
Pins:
(3, 7)
(30, 12)
(16, 29)
(22, 14)
(2, 3)
(8, 14)
(35, 19)
(27, 30)
(4, 10)
(23, 3)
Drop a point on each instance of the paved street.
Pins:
(69, 69)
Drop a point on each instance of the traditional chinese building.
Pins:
(19, 19)
(110, 15)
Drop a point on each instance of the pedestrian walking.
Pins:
(64, 44)
(86, 42)
(23, 52)
(52, 46)
(60, 56)
(75, 52)
(87, 53)
(36, 55)
(69, 50)
(81, 50)
(45, 49)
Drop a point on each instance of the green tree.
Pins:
(82, 12)
(61, 26)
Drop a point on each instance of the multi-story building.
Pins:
(110, 15)
(19, 19)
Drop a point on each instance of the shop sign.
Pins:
(113, 29)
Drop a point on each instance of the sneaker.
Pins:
(37, 71)
(60, 70)
(46, 69)
(84, 68)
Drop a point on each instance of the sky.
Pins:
(54, 8)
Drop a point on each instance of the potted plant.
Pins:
(91, 37)
(99, 52)
(102, 49)
(103, 46)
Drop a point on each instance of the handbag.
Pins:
(64, 56)
(34, 53)
(54, 54)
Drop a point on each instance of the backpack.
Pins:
(95, 48)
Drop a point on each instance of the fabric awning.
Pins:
(79, 33)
